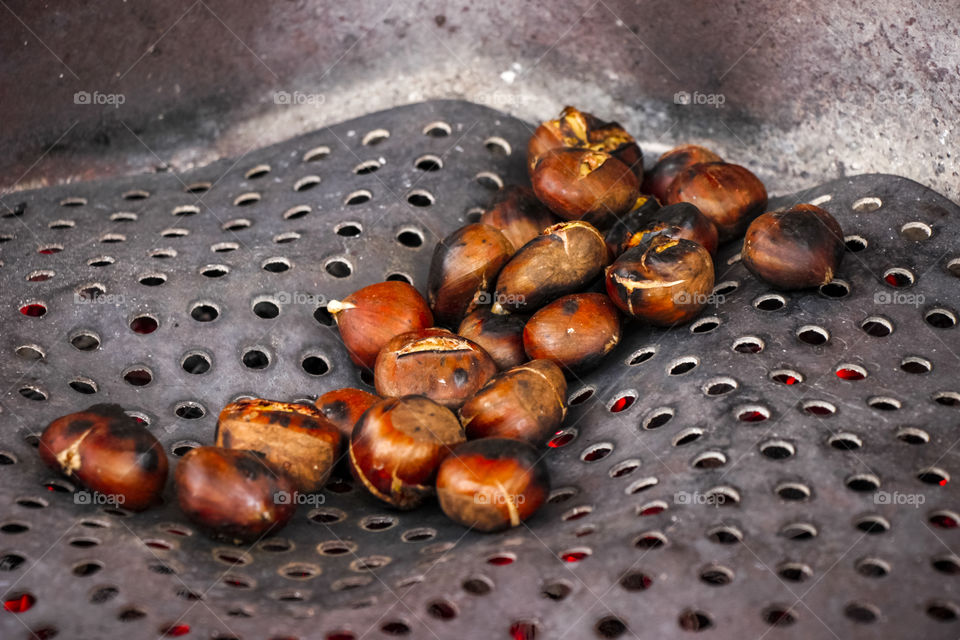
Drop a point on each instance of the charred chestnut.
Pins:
(295, 439)
(492, 484)
(525, 403)
(463, 270)
(670, 164)
(681, 220)
(582, 130)
(575, 332)
(501, 336)
(730, 195)
(518, 214)
(579, 184)
(233, 494)
(109, 452)
(370, 317)
(662, 280)
(397, 446)
(563, 259)
(343, 407)
(794, 248)
(434, 363)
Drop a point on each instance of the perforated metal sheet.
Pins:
(633, 529)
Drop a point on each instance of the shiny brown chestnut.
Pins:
(582, 130)
(563, 259)
(794, 248)
(580, 184)
(575, 331)
(370, 317)
(681, 220)
(343, 407)
(662, 280)
(730, 195)
(464, 269)
(434, 363)
(492, 484)
(109, 452)
(525, 403)
(397, 446)
(518, 214)
(670, 164)
(628, 224)
(233, 494)
(501, 336)
(295, 439)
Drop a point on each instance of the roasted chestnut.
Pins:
(343, 407)
(234, 494)
(501, 336)
(563, 259)
(463, 271)
(295, 439)
(518, 214)
(580, 184)
(492, 484)
(525, 403)
(658, 179)
(662, 280)
(108, 452)
(397, 446)
(434, 363)
(794, 248)
(370, 317)
(730, 195)
(575, 331)
(582, 130)
(681, 220)
(616, 236)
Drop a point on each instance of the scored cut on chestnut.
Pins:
(518, 214)
(681, 220)
(295, 439)
(397, 446)
(370, 317)
(662, 280)
(670, 164)
(629, 223)
(730, 195)
(435, 363)
(582, 130)
(527, 403)
(492, 484)
(501, 336)
(464, 268)
(109, 452)
(580, 184)
(233, 494)
(575, 331)
(563, 259)
(794, 248)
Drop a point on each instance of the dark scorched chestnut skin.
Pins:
(670, 164)
(579, 184)
(463, 271)
(525, 403)
(370, 317)
(575, 331)
(109, 452)
(295, 439)
(663, 280)
(581, 130)
(681, 220)
(343, 407)
(795, 248)
(628, 224)
(730, 195)
(233, 494)
(492, 484)
(501, 336)
(518, 214)
(397, 446)
(563, 259)
(434, 363)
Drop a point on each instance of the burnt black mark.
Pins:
(571, 306)
(149, 460)
(460, 377)
(76, 427)
(250, 464)
(281, 418)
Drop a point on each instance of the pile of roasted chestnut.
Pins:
(471, 379)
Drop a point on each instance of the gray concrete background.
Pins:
(811, 90)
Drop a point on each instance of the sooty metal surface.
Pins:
(720, 477)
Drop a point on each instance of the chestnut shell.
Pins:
(730, 195)
(501, 336)
(670, 164)
(575, 331)
(518, 214)
(343, 407)
(681, 220)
